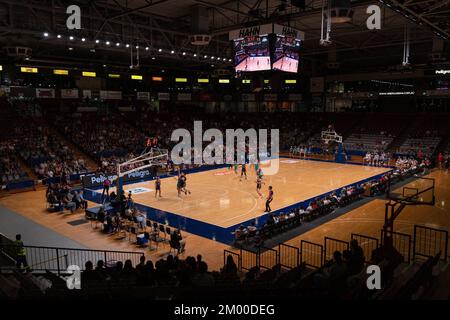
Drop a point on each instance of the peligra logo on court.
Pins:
(241, 147)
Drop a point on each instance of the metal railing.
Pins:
(249, 259)
(267, 258)
(59, 259)
(288, 256)
(311, 254)
(368, 244)
(428, 242)
(401, 242)
(331, 245)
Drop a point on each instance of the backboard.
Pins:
(418, 192)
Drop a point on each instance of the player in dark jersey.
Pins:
(183, 184)
(157, 187)
(180, 183)
(243, 171)
(269, 199)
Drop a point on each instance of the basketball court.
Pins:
(222, 200)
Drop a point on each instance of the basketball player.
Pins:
(157, 187)
(259, 182)
(180, 184)
(269, 200)
(259, 173)
(257, 166)
(235, 165)
(183, 188)
(243, 171)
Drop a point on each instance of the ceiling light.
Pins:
(107, 43)
(71, 38)
(117, 44)
(58, 36)
(159, 50)
(127, 45)
(172, 52)
(137, 47)
(153, 58)
(146, 48)
(70, 49)
(83, 39)
(97, 41)
(195, 54)
(205, 56)
(45, 34)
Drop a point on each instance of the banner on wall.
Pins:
(184, 97)
(250, 31)
(45, 93)
(288, 31)
(111, 95)
(141, 95)
(96, 180)
(163, 96)
(87, 94)
(270, 97)
(69, 93)
(22, 92)
(248, 97)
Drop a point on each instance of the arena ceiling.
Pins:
(166, 25)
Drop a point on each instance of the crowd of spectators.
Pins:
(46, 153)
(102, 137)
(171, 271)
(10, 169)
(61, 196)
(376, 158)
(344, 264)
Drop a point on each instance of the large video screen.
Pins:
(252, 54)
(286, 55)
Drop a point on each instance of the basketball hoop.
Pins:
(330, 135)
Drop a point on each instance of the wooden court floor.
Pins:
(366, 219)
(221, 198)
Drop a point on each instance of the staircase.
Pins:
(79, 154)
(399, 139)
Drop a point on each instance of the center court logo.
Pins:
(241, 147)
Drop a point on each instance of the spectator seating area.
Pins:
(46, 152)
(367, 142)
(421, 147)
(342, 277)
(10, 169)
